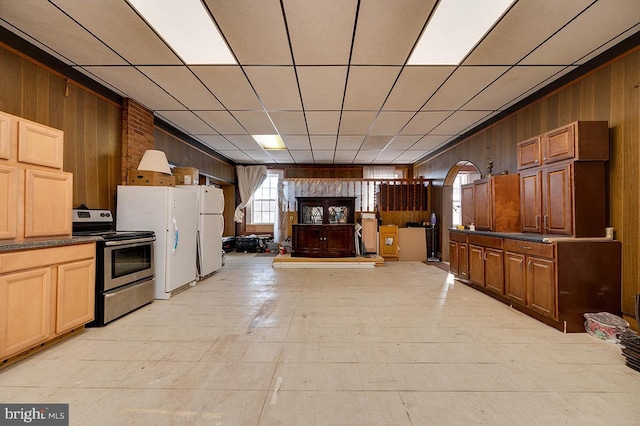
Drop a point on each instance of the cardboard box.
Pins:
(149, 178)
(186, 175)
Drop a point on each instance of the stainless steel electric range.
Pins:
(125, 275)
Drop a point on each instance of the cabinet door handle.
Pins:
(521, 261)
(537, 221)
(545, 221)
(485, 255)
(480, 255)
(529, 266)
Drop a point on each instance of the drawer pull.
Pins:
(525, 247)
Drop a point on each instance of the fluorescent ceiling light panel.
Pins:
(269, 141)
(187, 27)
(455, 27)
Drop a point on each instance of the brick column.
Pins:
(137, 134)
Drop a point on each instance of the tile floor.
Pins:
(398, 345)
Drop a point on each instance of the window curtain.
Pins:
(249, 179)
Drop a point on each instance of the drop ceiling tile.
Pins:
(523, 30)
(529, 92)
(237, 156)
(368, 87)
(608, 45)
(463, 84)
(410, 156)
(134, 39)
(183, 85)
(302, 156)
(296, 142)
(187, 121)
(404, 142)
(320, 31)
(221, 121)
(515, 82)
(356, 122)
(366, 156)
(217, 142)
(255, 31)
(133, 84)
(562, 48)
(387, 31)
(256, 122)
(424, 122)
(430, 142)
(289, 122)
(229, 84)
(323, 156)
(323, 142)
(243, 142)
(280, 156)
(458, 122)
(345, 156)
(388, 156)
(349, 142)
(47, 24)
(259, 155)
(276, 87)
(376, 142)
(322, 88)
(323, 122)
(390, 123)
(415, 85)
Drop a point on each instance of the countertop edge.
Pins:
(58, 242)
(536, 238)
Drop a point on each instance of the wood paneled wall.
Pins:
(91, 124)
(610, 93)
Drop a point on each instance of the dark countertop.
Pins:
(534, 238)
(26, 245)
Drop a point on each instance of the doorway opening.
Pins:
(467, 174)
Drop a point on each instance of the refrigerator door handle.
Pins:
(175, 236)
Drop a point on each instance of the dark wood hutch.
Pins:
(325, 228)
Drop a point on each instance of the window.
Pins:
(264, 201)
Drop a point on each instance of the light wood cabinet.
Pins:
(39, 144)
(75, 300)
(389, 241)
(25, 306)
(6, 125)
(48, 203)
(44, 293)
(36, 196)
(9, 202)
(497, 203)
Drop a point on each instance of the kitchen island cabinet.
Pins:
(555, 280)
(44, 293)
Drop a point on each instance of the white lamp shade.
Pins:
(155, 161)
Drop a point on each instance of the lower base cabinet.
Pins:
(553, 282)
(44, 293)
(323, 240)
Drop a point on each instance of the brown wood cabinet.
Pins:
(458, 254)
(580, 140)
(44, 293)
(565, 198)
(554, 282)
(467, 207)
(323, 240)
(497, 203)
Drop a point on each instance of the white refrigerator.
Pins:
(170, 213)
(210, 228)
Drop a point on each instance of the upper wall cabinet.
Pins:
(580, 140)
(39, 144)
(5, 135)
(496, 202)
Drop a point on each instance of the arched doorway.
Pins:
(461, 172)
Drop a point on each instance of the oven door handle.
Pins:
(126, 242)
